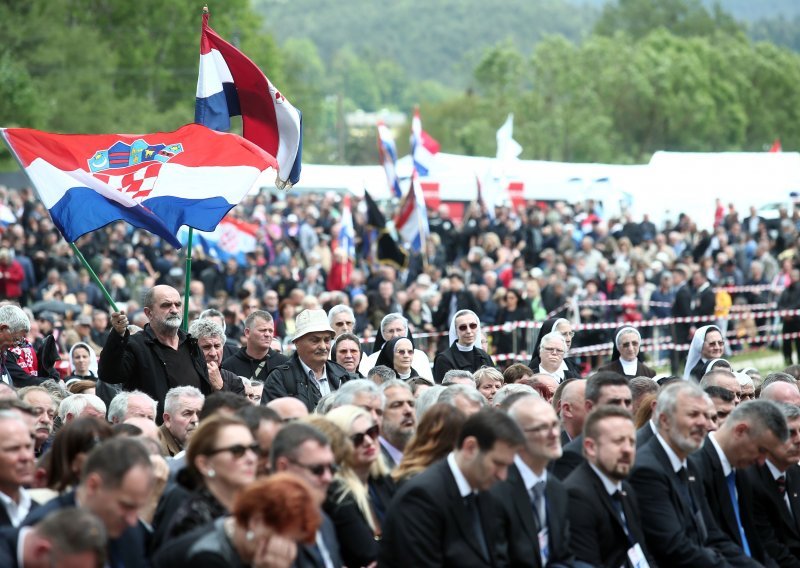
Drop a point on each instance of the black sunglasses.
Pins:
(463, 326)
(318, 469)
(238, 450)
(358, 439)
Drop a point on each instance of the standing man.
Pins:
(256, 360)
(309, 374)
(603, 513)
(210, 340)
(751, 429)
(399, 420)
(159, 358)
(445, 515)
(532, 505)
(681, 307)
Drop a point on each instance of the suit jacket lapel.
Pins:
(721, 488)
(459, 511)
(772, 487)
(522, 503)
(793, 491)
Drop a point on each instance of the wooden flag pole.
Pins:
(94, 276)
(185, 323)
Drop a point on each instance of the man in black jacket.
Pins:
(533, 504)
(159, 358)
(256, 360)
(309, 374)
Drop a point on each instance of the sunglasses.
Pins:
(464, 326)
(358, 439)
(318, 469)
(238, 450)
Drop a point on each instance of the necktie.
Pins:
(616, 500)
(470, 501)
(537, 500)
(683, 487)
(781, 481)
(731, 479)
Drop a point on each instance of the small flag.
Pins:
(485, 204)
(423, 147)
(412, 218)
(388, 156)
(776, 146)
(230, 84)
(347, 235)
(507, 147)
(157, 182)
(387, 249)
(232, 238)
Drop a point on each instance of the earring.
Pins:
(211, 473)
(250, 536)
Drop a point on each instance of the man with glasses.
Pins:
(537, 535)
(304, 451)
(256, 360)
(45, 408)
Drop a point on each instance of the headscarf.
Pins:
(386, 356)
(92, 358)
(453, 334)
(615, 354)
(696, 349)
(713, 362)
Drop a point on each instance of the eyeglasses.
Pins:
(318, 469)
(567, 333)
(464, 326)
(254, 397)
(358, 439)
(238, 450)
(553, 350)
(543, 428)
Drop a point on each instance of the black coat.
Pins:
(644, 434)
(571, 458)
(709, 467)
(446, 361)
(289, 379)
(679, 534)
(778, 529)
(245, 366)
(615, 366)
(464, 301)
(135, 362)
(428, 526)
(207, 546)
(309, 556)
(598, 535)
(515, 517)
(9, 539)
(5, 522)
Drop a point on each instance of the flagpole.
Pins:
(94, 276)
(185, 323)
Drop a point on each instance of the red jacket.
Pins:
(11, 276)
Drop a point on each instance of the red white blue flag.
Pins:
(230, 84)
(157, 182)
(347, 234)
(411, 220)
(423, 147)
(387, 150)
(232, 238)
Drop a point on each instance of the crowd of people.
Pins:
(320, 410)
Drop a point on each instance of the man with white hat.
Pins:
(310, 374)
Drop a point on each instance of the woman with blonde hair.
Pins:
(361, 490)
(436, 437)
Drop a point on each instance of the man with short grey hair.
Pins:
(458, 377)
(256, 359)
(380, 374)
(778, 377)
(399, 420)
(14, 328)
(182, 407)
(362, 393)
(16, 468)
(129, 404)
(751, 430)
(395, 325)
(342, 319)
(81, 405)
(467, 399)
(210, 338)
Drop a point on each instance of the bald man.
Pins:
(781, 392)
(288, 408)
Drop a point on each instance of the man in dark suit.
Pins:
(454, 300)
(601, 389)
(116, 483)
(16, 468)
(776, 495)
(750, 430)
(445, 516)
(680, 529)
(70, 537)
(681, 307)
(603, 514)
(532, 505)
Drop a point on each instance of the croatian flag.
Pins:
(388, 155)
(411, 220)
(230, 84)
(347, 235)
(423, 147)
(157, 182)
(231, 239)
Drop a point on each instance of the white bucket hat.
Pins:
(311, 321)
